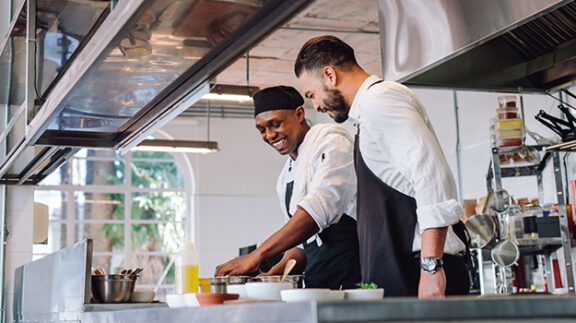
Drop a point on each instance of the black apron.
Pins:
(386, 224)
(336, 263)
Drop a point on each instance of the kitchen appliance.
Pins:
(135, 66)
(488, 45)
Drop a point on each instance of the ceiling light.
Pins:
(184, 146)
(228, 92)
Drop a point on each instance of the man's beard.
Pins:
(334, 102)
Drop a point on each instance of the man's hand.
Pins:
(239, 266)
(432, 286)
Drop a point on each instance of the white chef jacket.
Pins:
(399, 146)
(324, 176)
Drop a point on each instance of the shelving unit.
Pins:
(544, 246)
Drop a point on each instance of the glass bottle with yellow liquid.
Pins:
(186, 270)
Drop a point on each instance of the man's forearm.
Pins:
(433, 241)
(297, 230)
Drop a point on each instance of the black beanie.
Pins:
(277, 98)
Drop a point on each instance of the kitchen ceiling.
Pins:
(271, 61)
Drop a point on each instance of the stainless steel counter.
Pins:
(495, 308)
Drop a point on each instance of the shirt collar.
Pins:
(354, 113)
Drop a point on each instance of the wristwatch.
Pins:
(431, 264)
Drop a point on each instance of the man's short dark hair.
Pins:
(324, 51)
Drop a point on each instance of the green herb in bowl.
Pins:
(370, 285)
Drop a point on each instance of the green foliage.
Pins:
(370, 285)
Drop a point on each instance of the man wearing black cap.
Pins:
(317, 189)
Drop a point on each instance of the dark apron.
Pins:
(336, 263)
(386, 224)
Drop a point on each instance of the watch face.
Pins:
(430, 264)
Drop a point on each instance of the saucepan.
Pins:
(505, 253)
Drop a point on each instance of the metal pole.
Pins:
(458, 147)
(3, 237)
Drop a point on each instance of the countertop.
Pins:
(470, 308)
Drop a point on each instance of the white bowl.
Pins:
(365, 294)
(190, 300)
(305, 294)
(237, 289)
(175, 300)
(142, 296)
(266, 290)
(337, 295)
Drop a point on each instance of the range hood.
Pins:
(492, 45)
(107, 73)
(146, 63)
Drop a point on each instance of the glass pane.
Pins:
(98, 206)
(152, 154)
(165, 206)
(153, 267)
(95, 171)
(157, 237)
(56, 200)
(60, 176)
(152, 51)
(107, 237)
(56, 45)
(154, 174)
(112, 264)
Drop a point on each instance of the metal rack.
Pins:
(544, 246)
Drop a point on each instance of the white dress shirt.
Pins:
(324, 176)
(399, 146)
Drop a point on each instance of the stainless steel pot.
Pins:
(505, 253)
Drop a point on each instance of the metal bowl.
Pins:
(113, 288)
(294, 279)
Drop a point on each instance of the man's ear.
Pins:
(330, 75)
(300, 113)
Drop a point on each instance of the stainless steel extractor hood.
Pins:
(146, 63)
(495, 45)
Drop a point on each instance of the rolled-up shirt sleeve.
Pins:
(332, 188)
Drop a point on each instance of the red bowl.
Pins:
(215, 298)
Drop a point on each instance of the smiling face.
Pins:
(325, 98)
(283, 130)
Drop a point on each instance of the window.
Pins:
(133, 207)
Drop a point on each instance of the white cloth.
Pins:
(324, 176)
(399, 146)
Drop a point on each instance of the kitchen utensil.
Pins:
(218, 284)
(288, 268)
(176, 300)
(215, 298)
(294, 279)
(482, 230)
(142, 296)
(113, 288)
(499, 200)
(364, 294)
(98, 271)
(266, 290)
(505, 253)
(126, 272)
(136, 272)
(305, 294)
